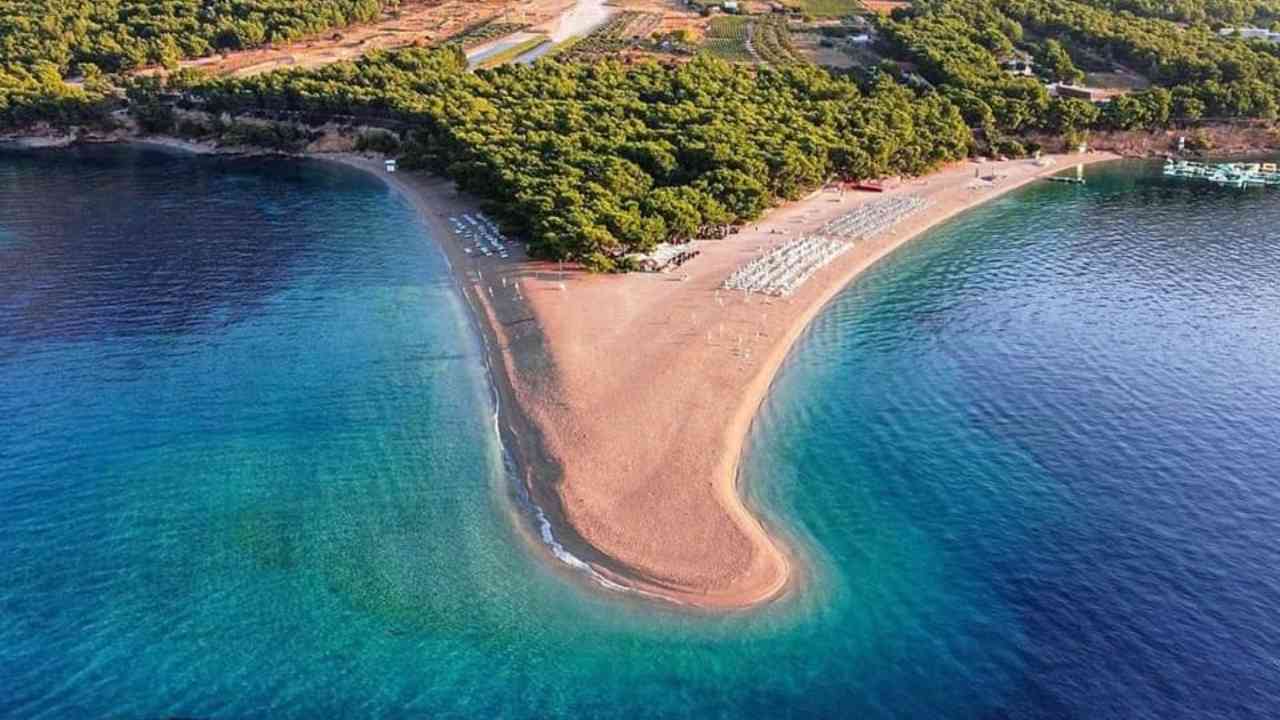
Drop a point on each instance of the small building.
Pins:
(1019, 66)
(731, 6)
(1076, 91)
(916, 80)
(390, 165)
(1251, 33)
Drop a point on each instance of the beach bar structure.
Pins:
(665, 257)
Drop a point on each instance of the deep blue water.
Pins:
(248, 468)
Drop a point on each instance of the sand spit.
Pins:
(626, 400)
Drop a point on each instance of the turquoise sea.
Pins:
(248, 468)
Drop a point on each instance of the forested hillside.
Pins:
(42, 41)
(122, 34)
(1197, 73)
(590, 161)
(1226, 12)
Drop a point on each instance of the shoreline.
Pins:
(521, 340)
(511, 357)
(654, 508)
(434, 199)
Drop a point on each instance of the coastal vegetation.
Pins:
(1226, 12)
(592, 162)
(958, 46)
(44, 42)
(593, 159)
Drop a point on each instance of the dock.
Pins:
(1237, 174)
(1077, 179)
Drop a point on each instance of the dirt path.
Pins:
(585, 16)
(748, 40)
(478, 55)
(416, 22)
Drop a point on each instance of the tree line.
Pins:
(117, 35)
(1262, 13)
(1196, 73)
(42, 42)
(593, 161)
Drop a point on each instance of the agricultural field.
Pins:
(821, 51)
(411, 22)
(674, 15)
(729, 37)
(748, 39)
(771, 42)
(408, 23)
(624, 30)
(827, 8)
(482, 33)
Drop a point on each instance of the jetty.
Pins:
(1077, 179)
(1235, 174)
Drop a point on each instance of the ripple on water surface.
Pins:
(249, 468)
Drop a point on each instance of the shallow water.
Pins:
(249, 468)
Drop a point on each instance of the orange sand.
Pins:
(413, 22)
(627, 399)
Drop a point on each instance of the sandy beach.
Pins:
(626, 400)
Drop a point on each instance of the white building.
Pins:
(1020, 66)
(1251, 33)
